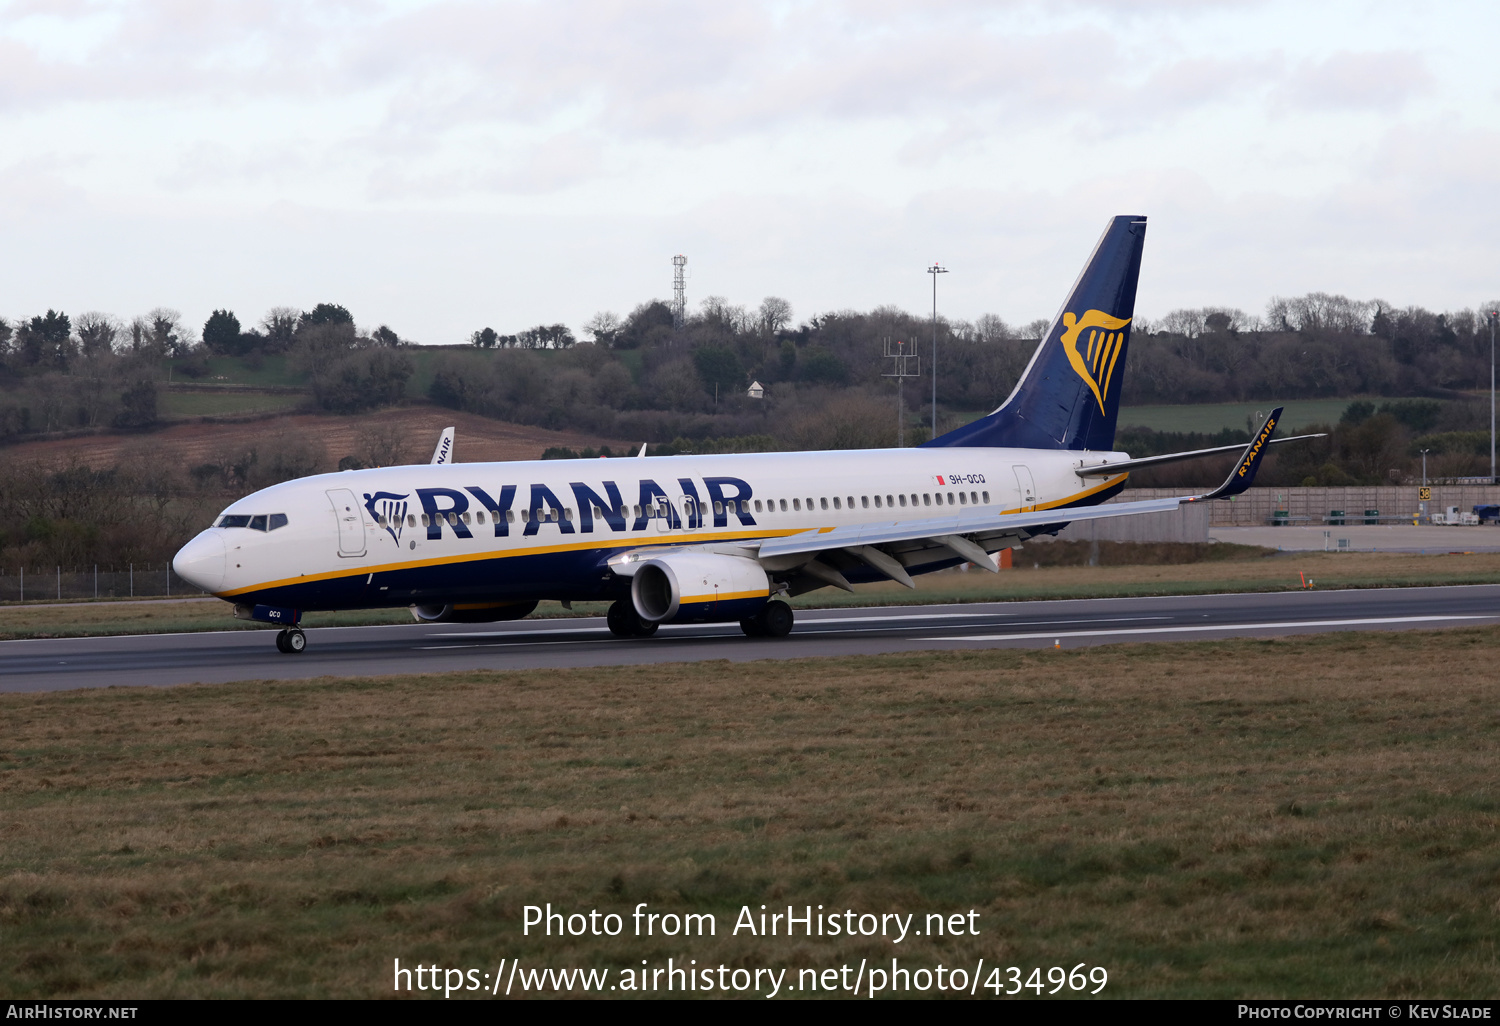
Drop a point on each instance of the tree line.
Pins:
(97, 371)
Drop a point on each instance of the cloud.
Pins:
(1356, 81)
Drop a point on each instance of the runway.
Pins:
(215, 657)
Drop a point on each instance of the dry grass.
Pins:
(1315, 816)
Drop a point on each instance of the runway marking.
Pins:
(1211, 627)
(692, 626)
(725, 631)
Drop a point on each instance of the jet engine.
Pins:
(687, 587)
(472, 612)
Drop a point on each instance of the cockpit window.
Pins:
(256, 521)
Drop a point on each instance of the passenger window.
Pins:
(719, 507)
(986, 498)
(452, 519)
(950, 498)
(510, 516)
(877, 502)
(424, 520)
(783, 505)
(277, 520)
(864, 501)
(962, 499)
(810, 505)
(568, 514)
(927, 499)
(468, 519)
(850, 500)
(525, 516)
(891, 502)
(796, 504)
(411, 520)
(823, 502)
(258, 522)
(903, 500)
(835, 502)
(913, 500)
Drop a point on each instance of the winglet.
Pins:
(1243, 474)
(444, 451)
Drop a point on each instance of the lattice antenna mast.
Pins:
(679, 290)
(905, 363)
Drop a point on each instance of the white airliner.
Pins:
(707, 538)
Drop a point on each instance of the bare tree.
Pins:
(603, 328)
(97, 333)
(775, 313)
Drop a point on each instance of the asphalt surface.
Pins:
(214, 657)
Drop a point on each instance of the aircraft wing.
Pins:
(890, 547)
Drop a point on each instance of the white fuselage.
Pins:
(386, 536)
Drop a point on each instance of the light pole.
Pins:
(1494, 316)
(935, 270)
(1423, 504)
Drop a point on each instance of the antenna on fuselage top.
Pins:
(643, 450)
(444, 451)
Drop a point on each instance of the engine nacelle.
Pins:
(472, 612)
(688, 587)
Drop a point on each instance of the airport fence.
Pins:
(71, 583)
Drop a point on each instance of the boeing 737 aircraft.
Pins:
(708, 538)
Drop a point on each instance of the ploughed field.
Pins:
(1315, 816)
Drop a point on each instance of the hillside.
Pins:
(408, 433)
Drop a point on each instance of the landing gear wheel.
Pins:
(752, 628)
(281, 642)
(775, 619)
(296, 641)
(625, 622)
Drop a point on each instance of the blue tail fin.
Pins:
(1069, 395)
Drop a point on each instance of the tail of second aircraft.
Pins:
(1069, 395)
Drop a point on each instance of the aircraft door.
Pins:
(347, 511)
(692, 512)
(1025, 488)
(665, 516)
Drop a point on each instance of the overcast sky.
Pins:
(443, 166)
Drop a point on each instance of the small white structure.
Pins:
(1451, 517)
(756, 390)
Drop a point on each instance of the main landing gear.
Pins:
(773, 621)
(625, 622)
(291, 641)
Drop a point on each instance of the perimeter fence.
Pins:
(70, 583)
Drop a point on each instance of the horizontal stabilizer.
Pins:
(1124, 466)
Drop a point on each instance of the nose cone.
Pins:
(201, 561)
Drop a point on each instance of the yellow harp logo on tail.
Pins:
(1102, 340)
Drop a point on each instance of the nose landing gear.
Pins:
(291, 641)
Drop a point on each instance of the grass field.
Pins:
(1212, 417)
(1309, 817)
(176, 404)
(1249, 573)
